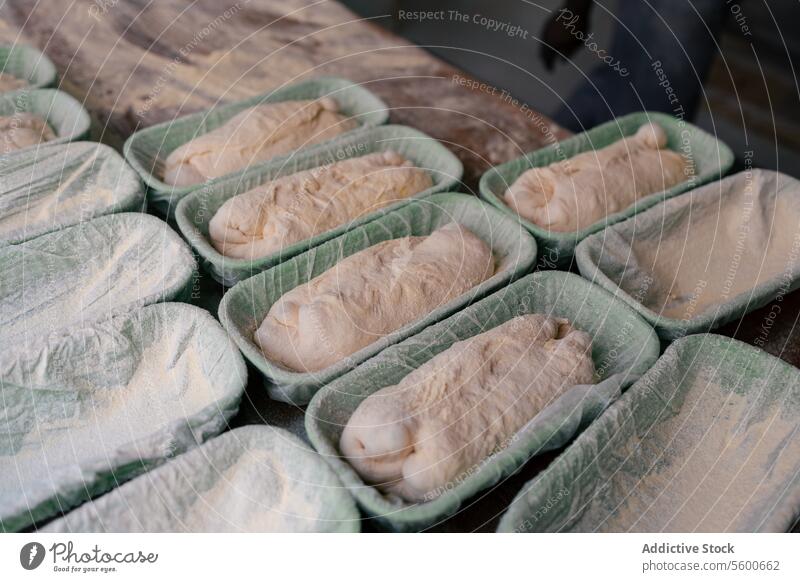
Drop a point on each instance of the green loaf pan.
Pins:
(197, 209)
(623, 348)
(245, 306)
(25, 62)
(711, 158)
(65, 115)
(147, 149)
(55, 186)
(252, 479)
(87, 408)
(706, 441)
(105, 266)
(734, 242)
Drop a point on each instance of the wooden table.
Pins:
(138, 62)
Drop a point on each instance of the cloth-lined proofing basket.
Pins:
(623, 348)
(147, 149)
(252, 479)
(195, 211)
(245, 306)
(711, 158)
(89, 407)
(105, 266)
(610, 258)
(707, 397)
(65, 115)
(55, 186)
(25, 62)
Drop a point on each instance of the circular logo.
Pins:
(31, 555)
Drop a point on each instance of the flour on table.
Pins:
(287, 210)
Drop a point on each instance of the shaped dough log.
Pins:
(299, 206)
(418, 437)
(255, 135)
(575, 193)
(22, 130)
(11, 83)
(371, 294)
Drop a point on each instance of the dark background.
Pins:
(753, 100)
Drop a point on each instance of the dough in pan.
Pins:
(577, 192)
(22, 130)
(299, 206)
(255, 135)
(370, 294)
(422, 436)
(11, 83)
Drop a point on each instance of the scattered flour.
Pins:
(711, 245)
(251, 479)
(718, 465)
(108, 396)
(57, 195)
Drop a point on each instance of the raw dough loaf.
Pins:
(575, 193)
(371, 294)
(255, 135)
(11, 83)
(299, 206)
(422, 436)
(22, 130)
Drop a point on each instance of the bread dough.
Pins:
(371, 294)
(279, 213)
(11, 83)
(22, 130)
(418, 437)
(423, 436)
(575, 193)
(255, 135)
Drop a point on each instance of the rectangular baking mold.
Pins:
(711, 158)
(245, 306)
(623, 348)
(195, 211)
(147, 149)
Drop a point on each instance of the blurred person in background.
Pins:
(659, 58)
